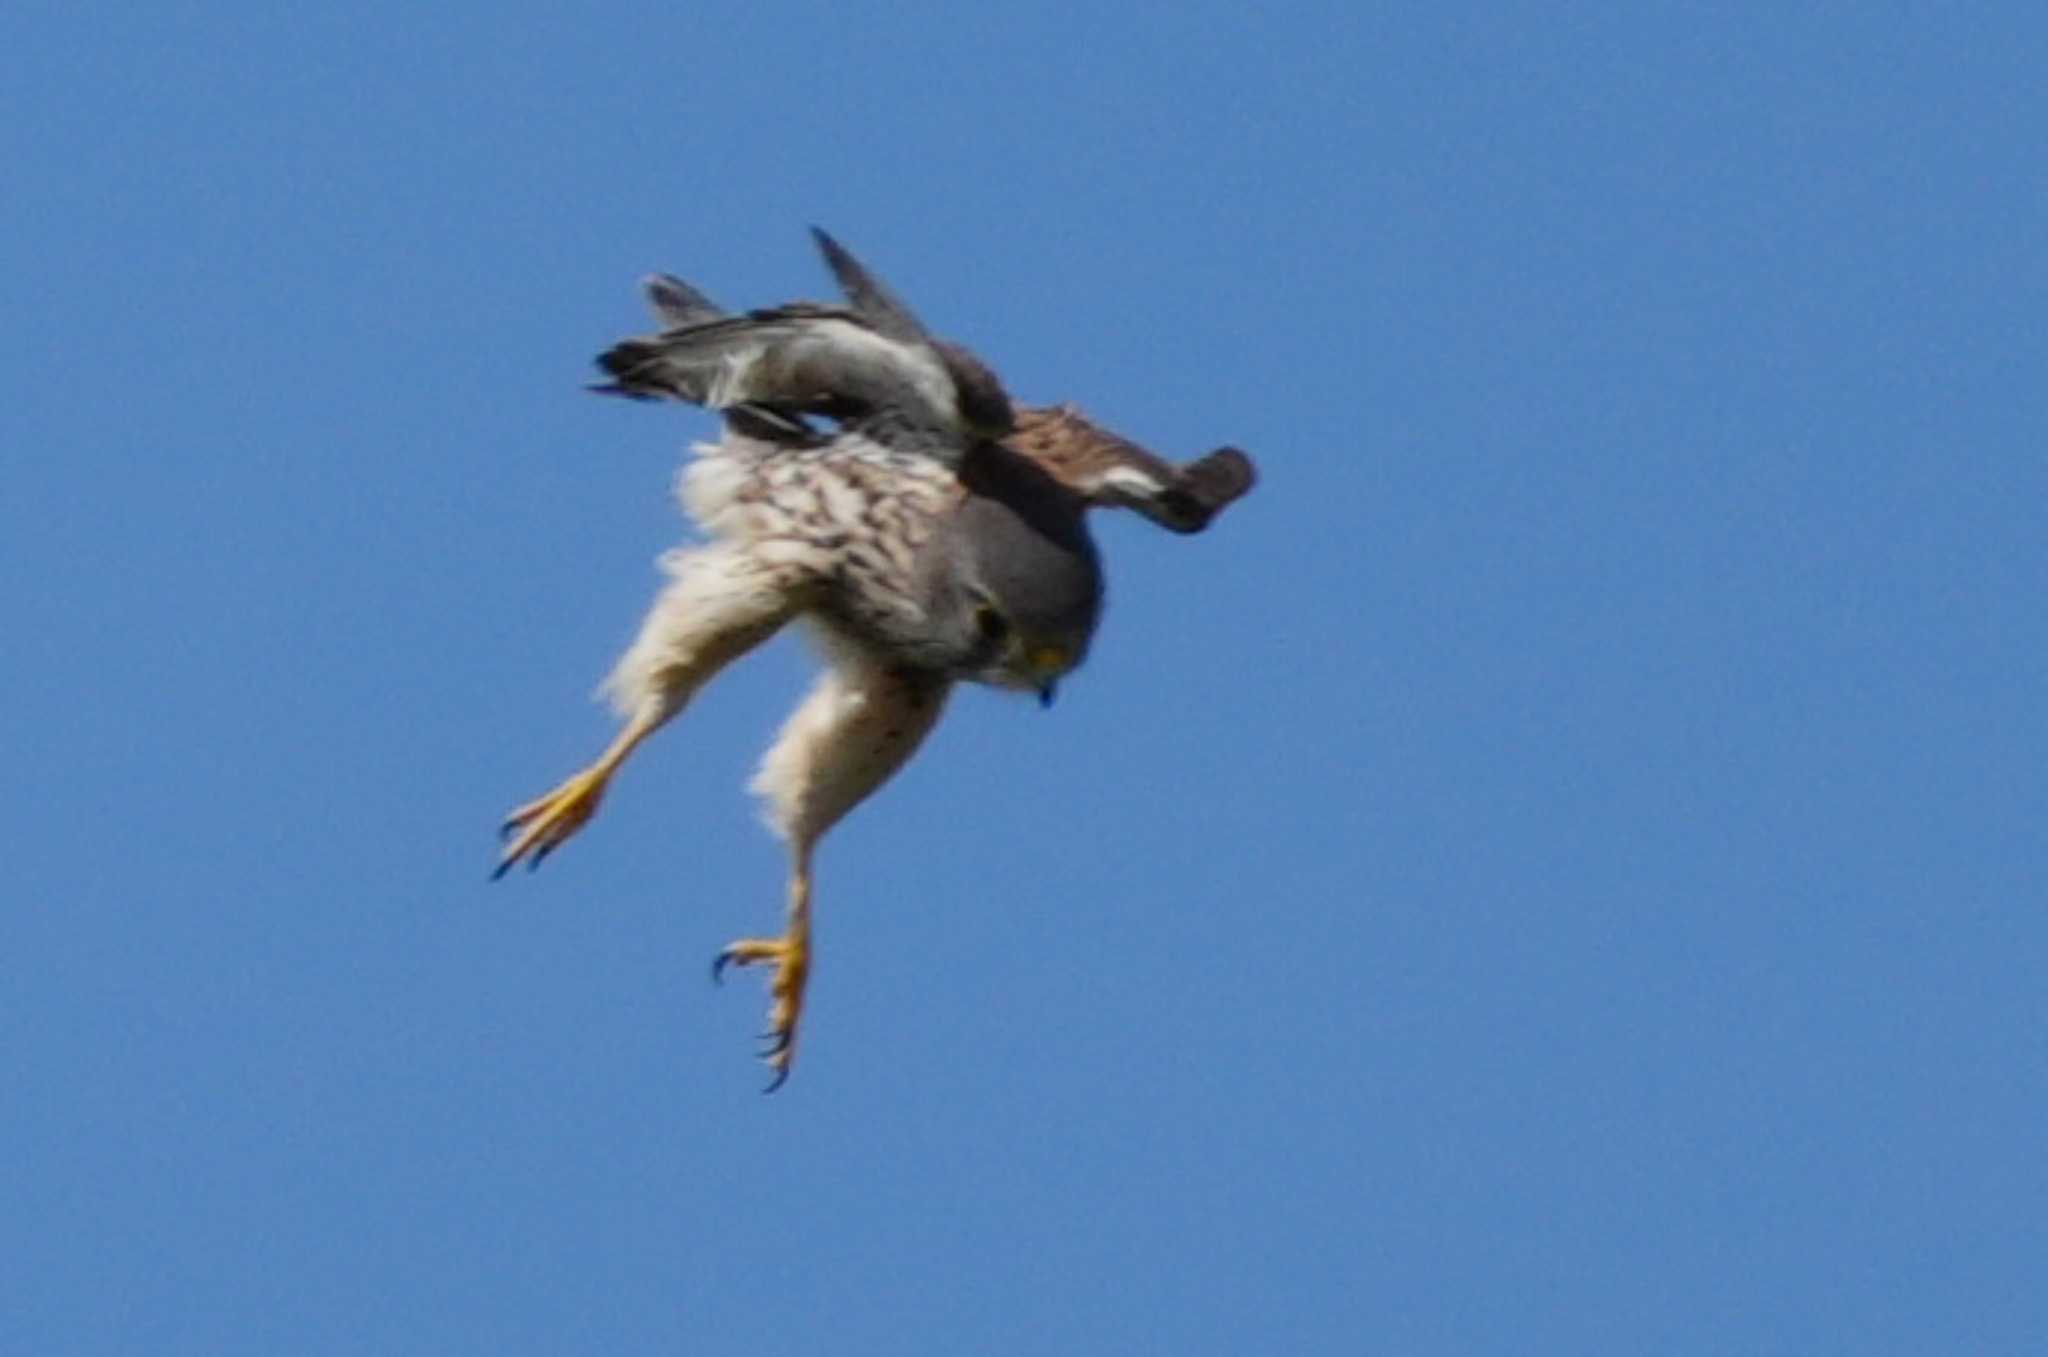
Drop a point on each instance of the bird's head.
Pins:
(1034, 654)
(1018, 584)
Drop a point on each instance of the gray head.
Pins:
(1015, 585)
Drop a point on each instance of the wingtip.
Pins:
(675, 303)
(1209, 485)
(628, 364)
(615, 389)
(836, 255)
(868, 295)
(1226, 473)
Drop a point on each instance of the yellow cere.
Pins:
(1047, 660)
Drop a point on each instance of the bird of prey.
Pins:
(874, 483)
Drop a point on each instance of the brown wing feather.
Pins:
(1108, 470)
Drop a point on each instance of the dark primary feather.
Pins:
(676, 303)
(869, 297)
(1207, 485)
(783, 353)
(983, 404)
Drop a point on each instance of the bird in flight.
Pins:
(876, 484)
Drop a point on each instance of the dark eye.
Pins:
(992, 625)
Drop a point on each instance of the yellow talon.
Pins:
(792, 957)
(545, 824)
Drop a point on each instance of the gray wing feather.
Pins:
(806, 358)
(869, 363)
(675, 303)
(869, 297)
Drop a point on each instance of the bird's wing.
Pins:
(676, 304)
(980, 403)
(1114, 472)
(801, 357)
(869, 361)
(869, 297)
(798, 357)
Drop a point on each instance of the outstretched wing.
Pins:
(869, 361)
(1115, 472)
(813, 358)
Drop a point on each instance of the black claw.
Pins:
(718, 965)
(498, 872)
(511, 824)
(781, 1078)
(775, 1043)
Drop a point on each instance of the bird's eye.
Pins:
(992, 625)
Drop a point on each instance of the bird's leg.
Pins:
(544, 824)
(857, 726)
(791, 954)
(717, 606)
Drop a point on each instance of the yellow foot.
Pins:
(792, 958)
(543, 826)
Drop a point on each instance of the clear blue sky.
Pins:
(1559, 869)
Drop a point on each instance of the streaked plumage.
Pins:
(918, 549)
(1115, 473)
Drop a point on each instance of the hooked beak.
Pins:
(1047, 663)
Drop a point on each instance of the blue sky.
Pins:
(1558, 869)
